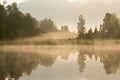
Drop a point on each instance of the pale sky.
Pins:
(66, 12)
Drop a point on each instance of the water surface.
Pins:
(59, 63)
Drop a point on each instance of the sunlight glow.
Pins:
(80, 1)
(71, 0)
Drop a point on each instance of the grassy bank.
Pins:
(62, 42)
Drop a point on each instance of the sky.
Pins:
(66, 12)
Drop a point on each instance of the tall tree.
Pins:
(111, 26)
(81, 28)
(2, 21)
(90, 34)
(15, 24)
(95, 33)
(96, 30)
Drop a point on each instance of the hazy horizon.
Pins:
(66, 12)
(32, 47)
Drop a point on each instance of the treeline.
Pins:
(110, 29)
(15, 24)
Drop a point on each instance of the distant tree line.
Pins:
(65, 28)
(15, 24)
(47, 25)
(109, 29)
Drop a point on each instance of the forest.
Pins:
(110, 29)
(15, 24)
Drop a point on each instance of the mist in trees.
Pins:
(111, 26)
(110, 29)
(13, 65)
(15, 24)
(47, 25)
(65, 28)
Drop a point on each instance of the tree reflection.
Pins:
(110, 59)
(47, 60)
(111, 62)
(14, 65)
(81, 61)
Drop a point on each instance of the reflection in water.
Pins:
(111, 62)
(110, 59)
(81, 61)
(14, 65)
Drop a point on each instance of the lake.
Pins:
(60, 62)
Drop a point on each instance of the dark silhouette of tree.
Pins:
(47, 25)
(81, 28)
(15, 24)
(109, 29)
(2, 21)
(96, 30)
(31, 25)
(111, 26)
(95, 33)
(64, 28)
(90, 34)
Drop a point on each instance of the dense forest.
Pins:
(15, 24)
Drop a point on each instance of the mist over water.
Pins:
(59, 62)
(36, 42)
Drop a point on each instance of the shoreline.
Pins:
(56, 42)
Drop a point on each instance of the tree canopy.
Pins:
(111, 26)
(109, 29)
(81, 28)
(64, 28)
(15, 24)
(47, 25)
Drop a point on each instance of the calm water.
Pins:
(60, 63)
